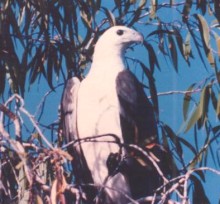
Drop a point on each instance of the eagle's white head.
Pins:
(115, 40)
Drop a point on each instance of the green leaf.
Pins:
(217, 74)
(164, 139)
(187, 50)
(201, 4)
(160, 31)
(205, 34)
(98, 4)
(136, 17)
(218, 106)
(204, 30)
(204, 101)
(198, 158)
(2, 79)
(193, 119)
(85, 14)
(186, 10)
(201, 110)
(188, 145)
(216, 129)
(217, 9)
(197, 45)
(36, 65)
(186, 102)
(21, 15)
(50, 66)
(153, 9)
(174, 139)
(217, 40)
(179, 40)
(213, 99)
(173, 52)
(211, 58)
(201, 175)
(152, 57)
(142, 3)
(199, 195)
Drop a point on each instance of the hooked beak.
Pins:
(138, 38)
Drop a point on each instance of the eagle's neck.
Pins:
(107, 63)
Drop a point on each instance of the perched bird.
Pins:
(106, 109)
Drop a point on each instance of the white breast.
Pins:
(98, 109)
(98, 113)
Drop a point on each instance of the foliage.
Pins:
(53, 40)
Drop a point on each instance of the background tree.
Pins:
(42, 43)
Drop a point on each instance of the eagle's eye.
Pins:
(120, 32)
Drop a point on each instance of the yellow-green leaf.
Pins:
(204, 31)
(142, 3)
(187, 47)
(153, 9)
(201, 110)
(186, 102)
(217, 40)
(193, 119)
(211, 58)
(203, 105)
(218, 106)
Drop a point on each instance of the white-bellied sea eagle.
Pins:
(108, 108)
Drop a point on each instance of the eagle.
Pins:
(103, 114)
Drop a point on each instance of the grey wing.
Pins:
(137, 116)
(68, 109)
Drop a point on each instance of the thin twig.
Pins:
(178, 92)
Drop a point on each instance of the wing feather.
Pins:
(138, 122)
(68, 109)
(139, 126)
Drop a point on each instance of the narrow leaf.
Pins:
(217, 9)
(186, 102)
(174, 139)
(201, 4)
(199, 195)
(110, 16)
(186, 10)
(179, 40)
(152, 57)
(173, 52)
(153, 9)
(193, 119)
(188, 145)
(217, 40)
(187, 47)
(213, 99)
(2, 79)
(204, 101)
(218, 106)
(204, 31)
